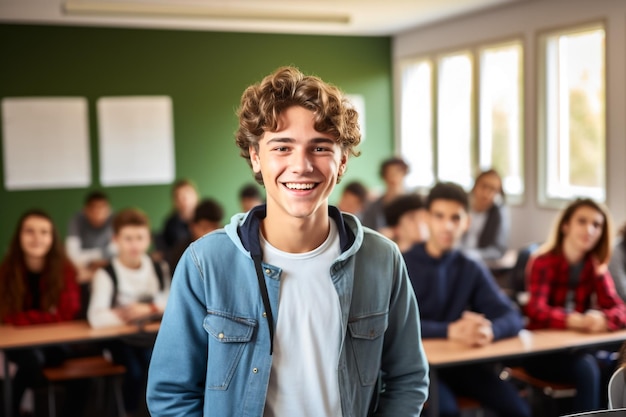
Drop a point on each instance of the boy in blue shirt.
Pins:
(460, 301)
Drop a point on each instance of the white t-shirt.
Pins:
(304, 378)
(133, 285)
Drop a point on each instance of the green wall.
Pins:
(205, 74)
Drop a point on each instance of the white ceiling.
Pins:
(331, 17)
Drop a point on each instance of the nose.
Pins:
(591, 229)
(301, 162)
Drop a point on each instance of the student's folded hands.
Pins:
(134, 312)
(472, 329)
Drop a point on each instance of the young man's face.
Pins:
(394, 175)
(299, 165)
(185, 200)
(350, 203)
(132, 242)
(413, 226)
(97, 212)
(447, 221)
(202, 227)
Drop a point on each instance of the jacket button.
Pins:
(255, 370)
(220, 336)
(264, 314)
(268, 271)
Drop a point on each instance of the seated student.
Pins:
(130, 289)
(488, 232)
(176, 227)
(353, 198)
(208, 216)
(89, 233)
(249, 197)
(459, 300)
(392, 171)
(570, 288)
(37, 285)
(617, 265)
(406, 217)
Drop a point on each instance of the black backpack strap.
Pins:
(111, 271)
(158, 269)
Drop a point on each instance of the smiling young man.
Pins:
(293, 309)
(460, 301)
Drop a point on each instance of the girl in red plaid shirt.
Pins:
(37, 285)
(570, 288)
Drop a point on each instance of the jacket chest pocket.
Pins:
(367, 342)
(228, 337)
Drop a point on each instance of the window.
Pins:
(416, 122)
(446, 134)
(572, 116)
(500, 110)
(454, 119)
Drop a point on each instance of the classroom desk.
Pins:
(443, 353)
(37, 335)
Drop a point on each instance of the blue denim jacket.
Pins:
(212, 354)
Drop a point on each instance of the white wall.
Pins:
(527, 19)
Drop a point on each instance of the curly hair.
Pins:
(262, 103)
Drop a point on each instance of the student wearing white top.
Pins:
(293, 309)
(488, 232)
(130, 289)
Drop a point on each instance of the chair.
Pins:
(548, 389)
(617, 412)
(517, 276)
(91, 367)
(466, 404)
(617, 389)
(470, 404)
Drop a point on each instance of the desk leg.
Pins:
(7, 388)
(433, 401)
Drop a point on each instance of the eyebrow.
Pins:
(292, 140)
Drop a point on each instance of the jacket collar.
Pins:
(249, 231)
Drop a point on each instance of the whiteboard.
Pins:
(45, 142)
(136, 140)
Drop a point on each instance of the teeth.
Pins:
(299, 186)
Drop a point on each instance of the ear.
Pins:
(343, 164)
(468, 221)
(255, 161)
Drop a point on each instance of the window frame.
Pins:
(543, 199)
(474, 51)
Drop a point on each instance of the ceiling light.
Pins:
(102, 8)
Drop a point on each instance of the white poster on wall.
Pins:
(136, 140)
(45, 142)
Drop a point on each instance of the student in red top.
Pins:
(570, 288)
(37, 285)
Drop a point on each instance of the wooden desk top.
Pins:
(12, 337)
(442, 352)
